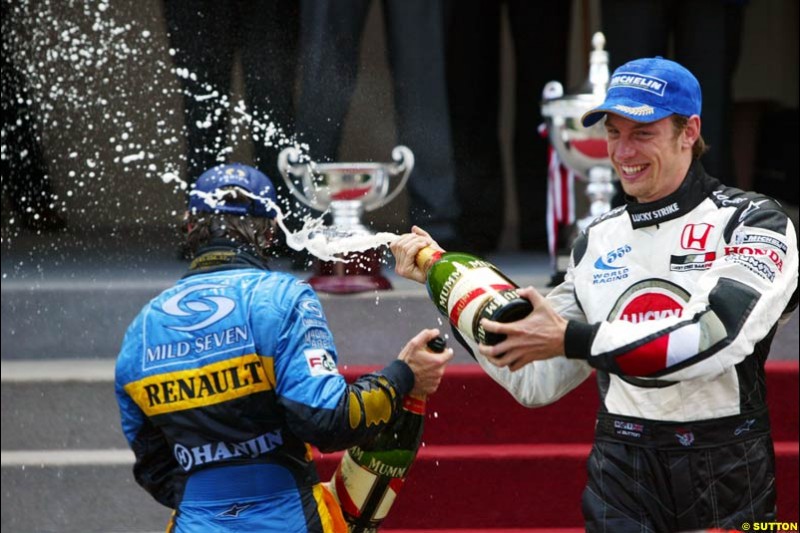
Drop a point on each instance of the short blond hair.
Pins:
(699, 147)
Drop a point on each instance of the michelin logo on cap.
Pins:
(630, 80)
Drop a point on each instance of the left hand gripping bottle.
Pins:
(370, 477)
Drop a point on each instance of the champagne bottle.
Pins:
(467, 289)
(369, 477)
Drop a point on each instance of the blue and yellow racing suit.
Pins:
(223, 381)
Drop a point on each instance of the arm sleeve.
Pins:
(155, 467)
(750, 285)
(540, 382)
(320, 407)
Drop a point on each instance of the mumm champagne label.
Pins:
(474, 292)
(362, 478)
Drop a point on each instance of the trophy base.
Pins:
(361, 274)
(349, 284)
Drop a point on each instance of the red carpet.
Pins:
(489, 463)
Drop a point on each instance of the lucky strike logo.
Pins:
(650, 300)
(645, 307)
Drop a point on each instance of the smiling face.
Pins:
(650, 159)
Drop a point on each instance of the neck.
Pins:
(223, 253)
(426, 257)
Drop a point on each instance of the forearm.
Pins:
(358, 410)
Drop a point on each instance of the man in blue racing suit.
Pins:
(673, 299)
(225, 379)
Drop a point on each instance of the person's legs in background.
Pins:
(26, 180)
(269, 51)
(647, 37)
(330, 37)
(415, 33)
(707, 42)
(202, 34)
(473, 73)
(540, 33)
(706, 38)
(25, 175)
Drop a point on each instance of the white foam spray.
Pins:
(317, 239)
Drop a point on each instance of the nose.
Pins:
(623, 150)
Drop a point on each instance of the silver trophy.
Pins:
(347, 190)
(582, 150)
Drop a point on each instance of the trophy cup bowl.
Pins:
(347, 190)
(579, 148)
(582, 150)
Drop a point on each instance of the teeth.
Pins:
(632, 169)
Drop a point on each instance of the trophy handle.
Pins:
(288, 159)
(403, 159)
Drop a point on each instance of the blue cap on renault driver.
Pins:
(234, 175)
(647, 90)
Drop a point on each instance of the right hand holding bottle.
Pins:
(427, 365)
(405, 250)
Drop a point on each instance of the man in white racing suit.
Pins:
(674, 299)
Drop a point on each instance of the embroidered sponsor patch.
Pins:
(605, 269)
(694, 236)
(646, 217)
(638, 111)
(320, 362)
(724, 200)
(753, 265)
(690, 262)
(202, 305)
(632, 80)
(753, 206)
(212, 452)
(685, 437)
(745, 427)
(749, 250)
(752, 238)
(624, 428)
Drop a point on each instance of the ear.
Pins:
(691, 132)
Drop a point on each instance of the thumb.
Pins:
(531, 294)
(420, 231)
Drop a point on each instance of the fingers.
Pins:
(405, 250)
(425, 336)
(416, 230)
(428, 366)
(494, 351)
(419, 231)
(418, 343)
(514, 359)
(530, 294)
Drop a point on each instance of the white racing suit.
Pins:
(675, 304)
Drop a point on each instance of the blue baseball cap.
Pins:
(236, 176)
(647, 90)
